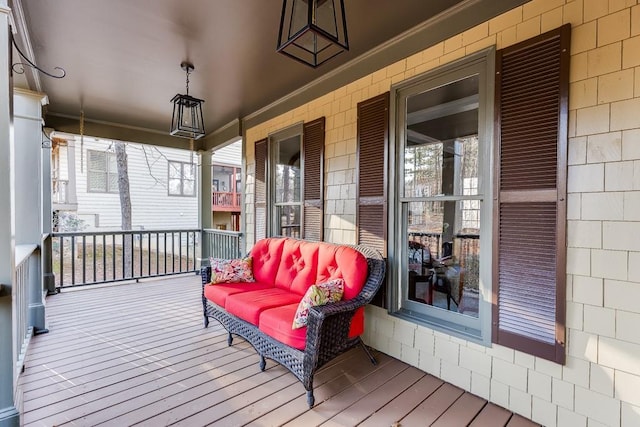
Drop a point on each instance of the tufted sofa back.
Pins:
(297, 264)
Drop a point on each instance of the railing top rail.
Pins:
(125, 232)
(23, 252)
(227, 232)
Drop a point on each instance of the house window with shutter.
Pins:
(477, 218)
(441, 236)
(289, 182)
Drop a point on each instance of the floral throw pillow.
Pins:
(231, 270)
(318, 294)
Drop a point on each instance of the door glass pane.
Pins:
(287, 159)
(443, 256)
(441, 139)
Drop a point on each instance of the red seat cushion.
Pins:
(218, 293)
(276, 322)
(249, 305)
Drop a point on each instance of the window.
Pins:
(286, 183)
(289, 198)
(476, 237)
(442, 232)
(102, 172)
(182, 179)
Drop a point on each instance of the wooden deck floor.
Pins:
(137, 354)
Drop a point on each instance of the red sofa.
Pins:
(262, 312)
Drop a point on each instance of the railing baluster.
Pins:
(149, 251)
(113, 255)
(94, 258)
(84, 259)
(61, 246)
(73, 260)
(140, 252)
(180, 251)
(104, 257)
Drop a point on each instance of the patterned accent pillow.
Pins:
(318, 294)
(231, 270)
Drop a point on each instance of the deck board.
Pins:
(137, 354)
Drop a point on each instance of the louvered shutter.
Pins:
(261, 189)
(529, 222)
(371, 207)
(313, 197)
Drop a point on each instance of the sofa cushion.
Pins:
(276, 322)
(342, 262)
(248, 305)
(319, 294)
(266, 254)
(218, 293)
(298, 266)
(231, 270)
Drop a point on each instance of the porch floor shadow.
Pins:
(138, 354)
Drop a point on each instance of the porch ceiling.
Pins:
(122, 57)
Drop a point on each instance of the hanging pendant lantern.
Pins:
(313, 31)
(187, 120)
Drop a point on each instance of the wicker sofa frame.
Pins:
(327, 328)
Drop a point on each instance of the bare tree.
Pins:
(125, 206)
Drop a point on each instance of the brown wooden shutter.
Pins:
(531, 176)
(313, 197)
(261, 189)
(371, 206)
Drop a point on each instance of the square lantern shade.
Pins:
(187, 121)
(312, 31)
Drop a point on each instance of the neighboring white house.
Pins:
(163, 183)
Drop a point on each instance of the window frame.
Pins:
(182, 179)
(106, 172)
(478, 330)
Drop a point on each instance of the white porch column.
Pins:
(205, 216)
(8, 413)
(29, 188)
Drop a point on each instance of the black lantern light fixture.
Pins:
(313, 31)
(187, 121)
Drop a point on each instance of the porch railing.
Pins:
(222, 243)
(59, 191)
(27, 271)
(85, 258)
(224, 200)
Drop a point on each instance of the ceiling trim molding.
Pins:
(24, 38)
(117, 131)
(449, 23)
